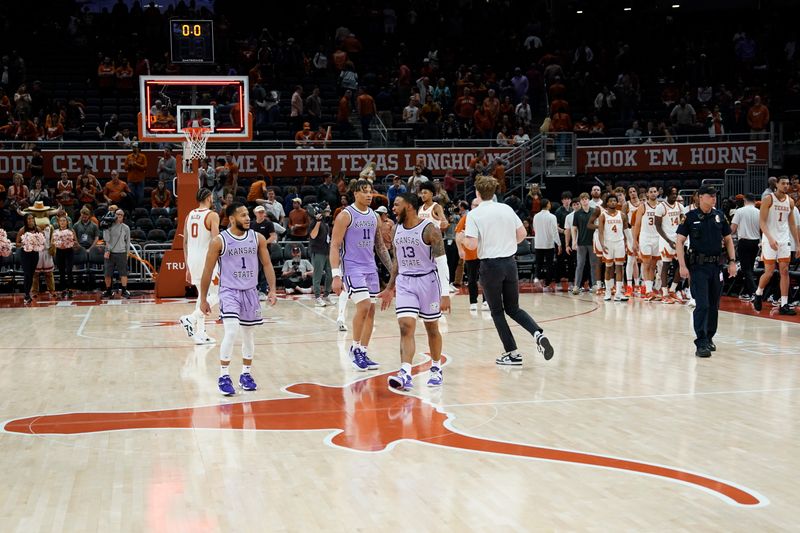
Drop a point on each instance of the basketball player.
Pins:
(646, 236)
(423, 289)
(200, 228)
(354, 243)
(236, 253)
(632, 264)
(597, 247)
(778, 228)
(430, 210)
(668, 217)
(613, 232)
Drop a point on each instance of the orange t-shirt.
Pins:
(256, 191)
(136, 165)
(469, 255)
(114, 191)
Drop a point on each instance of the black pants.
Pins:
(29, 261)
(706, 291)
(303, 283)
(64, 260)
(545, 269)
(451, 252)
(501, 289)
(472, 267)
(748, 250)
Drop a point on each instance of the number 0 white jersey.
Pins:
(198, 238)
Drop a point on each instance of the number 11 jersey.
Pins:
(358, 246)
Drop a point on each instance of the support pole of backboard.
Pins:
(171, 282)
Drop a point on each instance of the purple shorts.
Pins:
(362, 285)
(241, 305)
(419, 297)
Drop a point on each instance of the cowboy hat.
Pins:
(38, 207)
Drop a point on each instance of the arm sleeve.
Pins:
(736, 217)
(683, 229)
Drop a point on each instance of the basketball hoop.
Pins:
(194, 147)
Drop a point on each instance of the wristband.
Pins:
(336, 272)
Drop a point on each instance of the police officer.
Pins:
(707, 229)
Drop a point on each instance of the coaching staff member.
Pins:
(707, 229)
(495, 230)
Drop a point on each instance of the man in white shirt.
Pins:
(570, 245)
(546, 239)
(495, 230)
(745, 225)
(273, 206)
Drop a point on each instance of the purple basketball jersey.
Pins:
(414, 257)
(358, 247)
(238, 262)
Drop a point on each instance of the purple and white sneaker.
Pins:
(401, 381)
(226, 386)
(359, 360)
(246, 382)
(435, 377)
(372, 365)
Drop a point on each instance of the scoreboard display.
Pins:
(191, 41)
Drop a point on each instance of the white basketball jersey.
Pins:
(648, 231)
(632, 211)
(670, 218)
(427, 214)
(612, 229)
(778, 219)
(198, 235)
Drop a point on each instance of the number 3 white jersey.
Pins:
(198, 239)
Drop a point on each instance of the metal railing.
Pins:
(560, 154)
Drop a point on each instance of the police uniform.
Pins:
(706, 232)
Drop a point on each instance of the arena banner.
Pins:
(255, 162)
(669, 157)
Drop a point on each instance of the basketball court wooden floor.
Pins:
(112, 422)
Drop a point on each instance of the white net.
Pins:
(194, 147)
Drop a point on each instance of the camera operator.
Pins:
(320, 244)
(297, 273)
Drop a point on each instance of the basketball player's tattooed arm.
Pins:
(438, 214)
(386, 295)
(381, 251)
(432, 236)
(337, 236)
(660, 230)
(214, 251)
(269, 272)
(637, 227)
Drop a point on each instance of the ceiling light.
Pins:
(626, 9)
(675, 6)
(579, 12)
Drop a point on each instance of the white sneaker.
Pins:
(328, 300)
(340, 325)
(306, 290)
(188, 324)
(289, 291)
(473, 307)
(453, 288)
(607, 296)
(485, 306)
(319, 302)
(262, 297)
(202, 338)
(692, 303)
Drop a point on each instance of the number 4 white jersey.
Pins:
(198, 237)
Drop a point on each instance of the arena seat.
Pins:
(156, 235)
(139, 212)
(144, 224)
(164, 224)
(138, 235)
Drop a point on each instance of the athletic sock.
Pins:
(619, 287)
(784, 300)
(673, 287)
(648, 286)
(223, 371)
(609, 284)
(406, 367)
(759, 291)
(245, 369)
